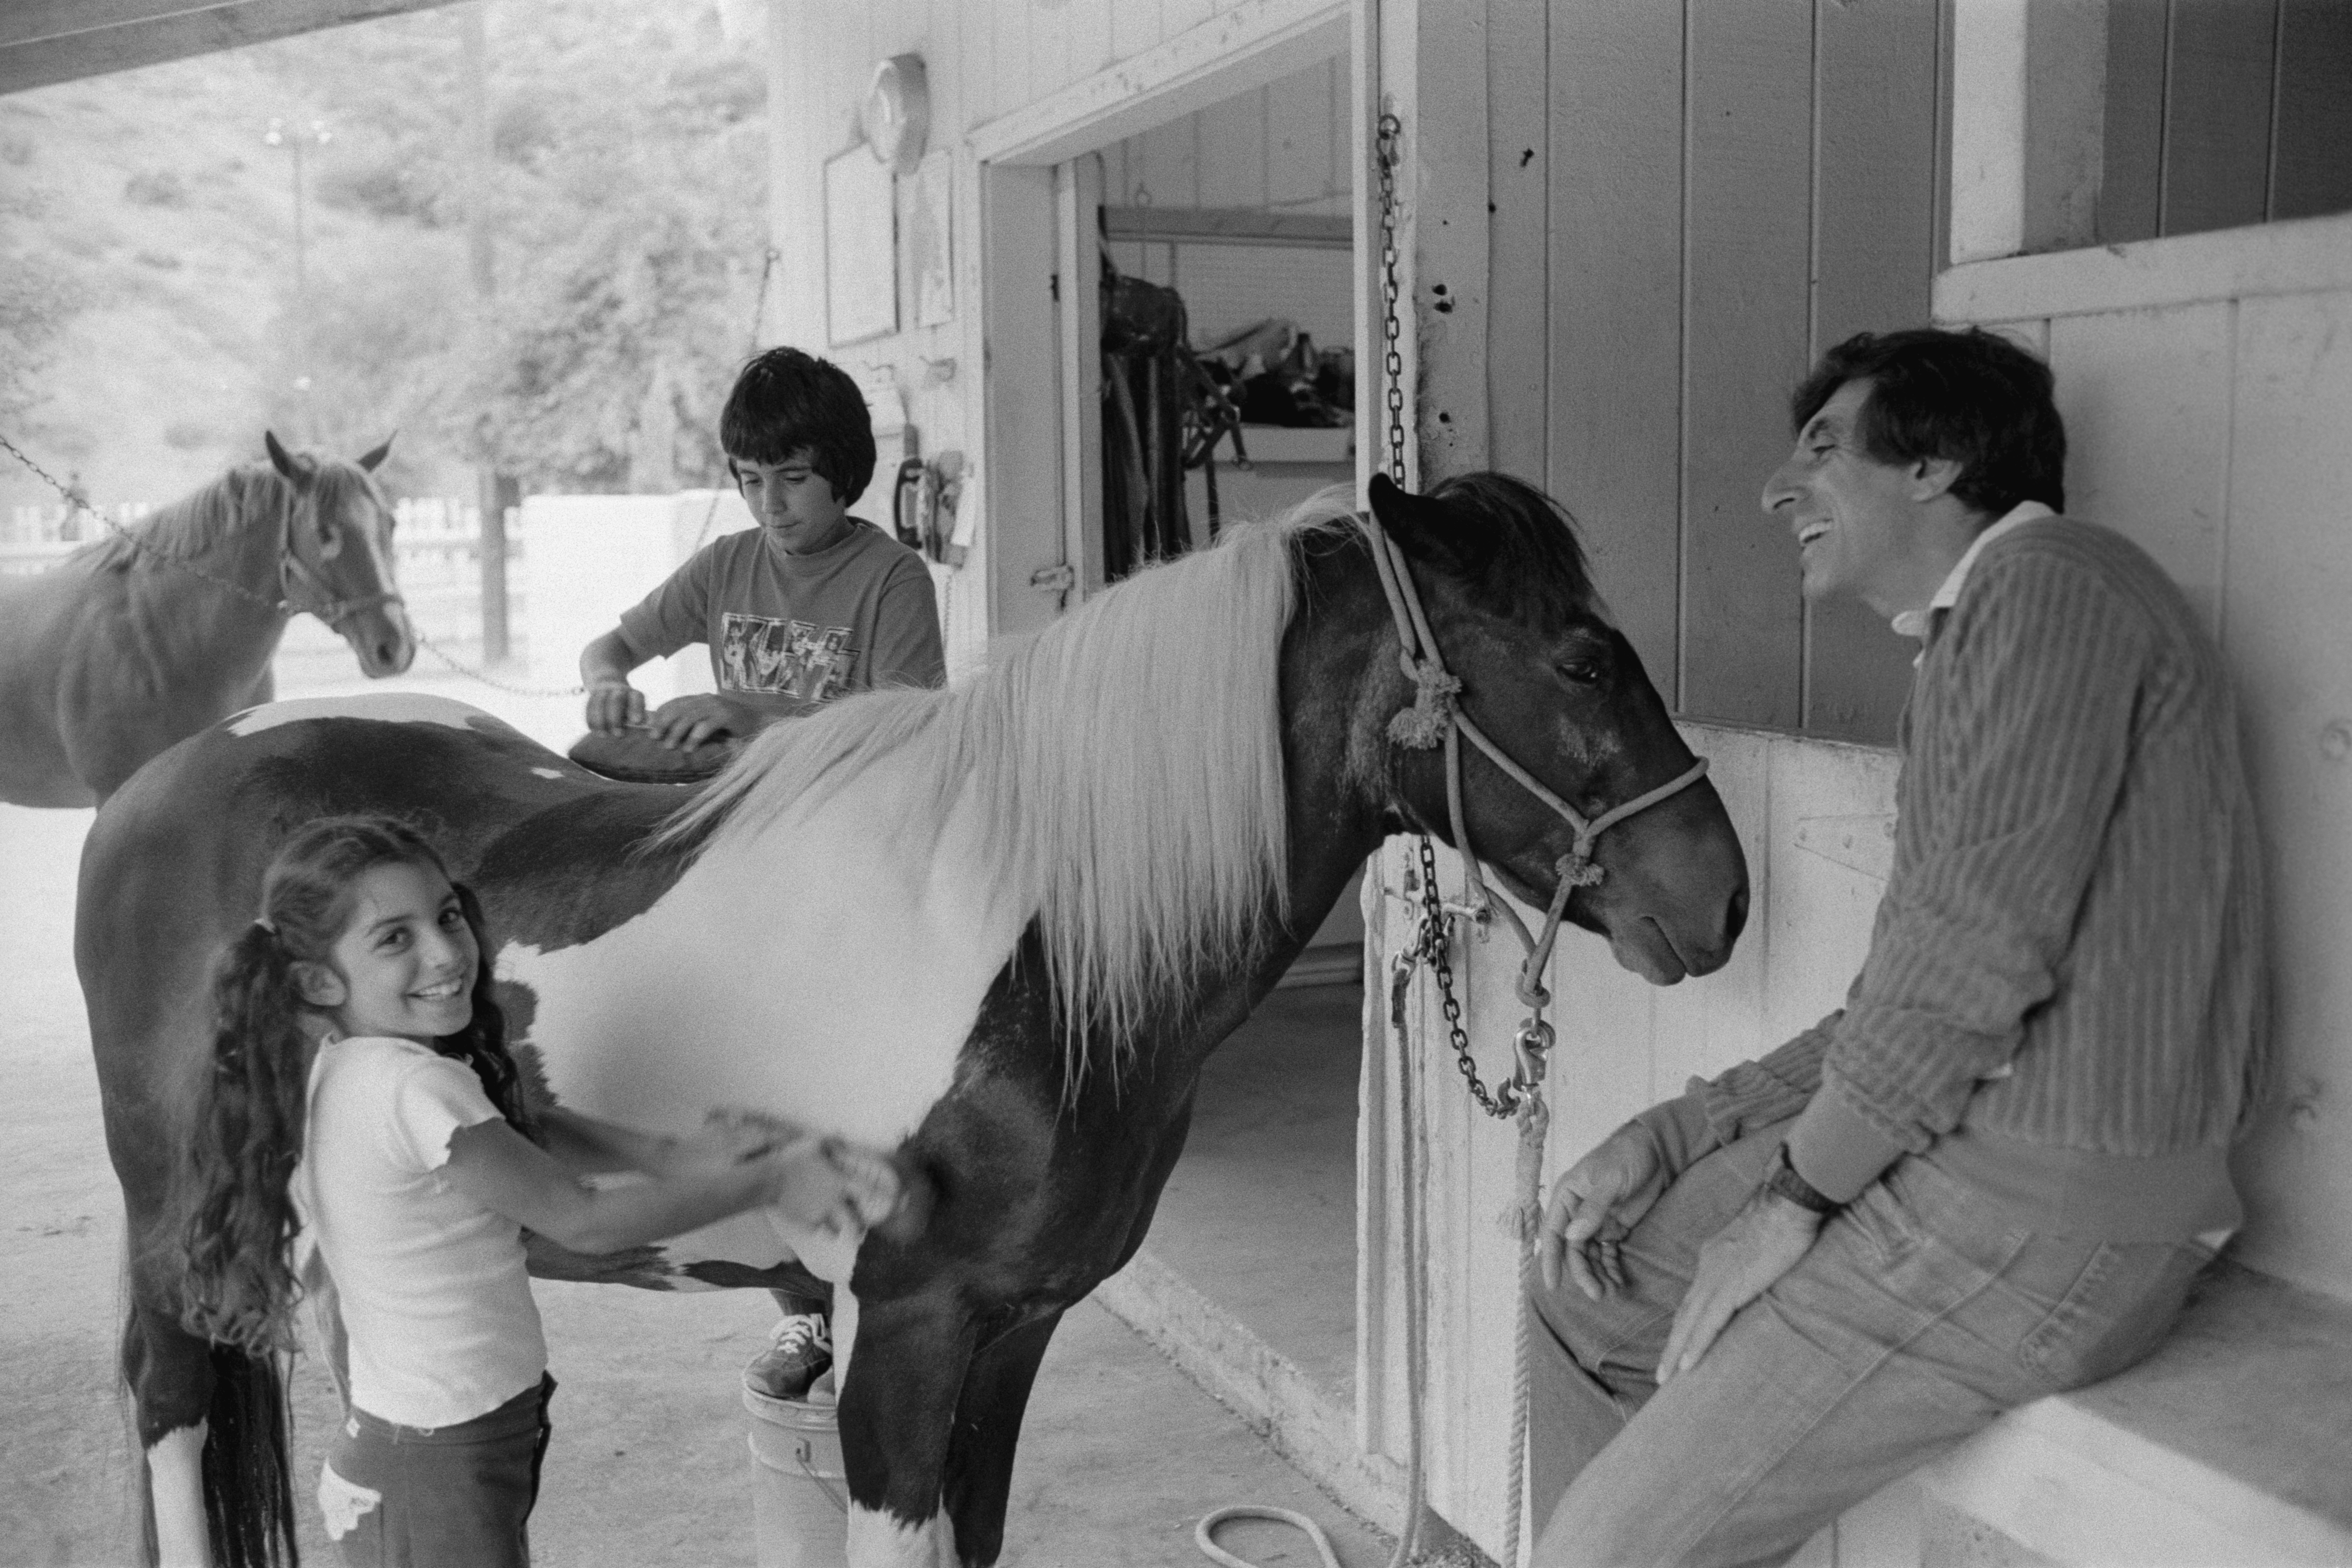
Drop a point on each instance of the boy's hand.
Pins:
(684, 722)
(614, 706)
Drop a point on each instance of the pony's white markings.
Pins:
(389, 707)
(827, 952)
(826, 970)
(175, 1482)
(343, 1502)
(878, 1541)
(1124, 767)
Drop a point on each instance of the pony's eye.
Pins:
(1578, 671)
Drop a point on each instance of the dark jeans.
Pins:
(442, 1497)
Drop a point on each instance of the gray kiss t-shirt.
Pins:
(785, 630)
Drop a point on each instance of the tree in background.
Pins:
(146, 296)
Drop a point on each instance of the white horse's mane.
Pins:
(1127, 762)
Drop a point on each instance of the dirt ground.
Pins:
(649, 1465)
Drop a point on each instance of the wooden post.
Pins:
(2029, 126)
(495, 491)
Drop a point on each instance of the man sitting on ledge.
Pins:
(1993, 1174)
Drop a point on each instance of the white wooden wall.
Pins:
(1816, 818)
(2207, 385)
(986, 60)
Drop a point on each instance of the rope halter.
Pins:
(1435, 720)
(293, 571)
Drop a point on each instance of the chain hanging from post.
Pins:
(1434, 938)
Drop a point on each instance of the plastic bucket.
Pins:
(800, 1493)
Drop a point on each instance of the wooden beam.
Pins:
(1229, 225)
(1244, 46)
(44, 42)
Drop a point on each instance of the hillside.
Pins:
(147, 257)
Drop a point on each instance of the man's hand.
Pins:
(614, 706)
(1736, 1265)
(1602, 1197)
(684, 722)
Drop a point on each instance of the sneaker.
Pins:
(798, 1351)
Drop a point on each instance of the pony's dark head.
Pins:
(339, 558)
(1546, 673)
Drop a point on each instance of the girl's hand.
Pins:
(732, 1134)
(834, 1185)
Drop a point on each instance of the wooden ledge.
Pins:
(2227, 1446)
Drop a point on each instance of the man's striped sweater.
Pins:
(2065, 1002)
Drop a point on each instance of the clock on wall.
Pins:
(897, 113)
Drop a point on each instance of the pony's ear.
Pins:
(296, 470)
(1448, 537)
(369, 460)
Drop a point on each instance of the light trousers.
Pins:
(1917, 1319)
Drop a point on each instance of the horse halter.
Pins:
(293, 570)
(1436, 719)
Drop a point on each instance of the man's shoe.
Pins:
(799, 1350)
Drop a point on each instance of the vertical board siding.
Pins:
(1731, 190)
(2217, 123)
(2146, 397)
(2311, 160)
(1615, 293)
(1301, 174)
(1748, 200)
(1270, 147)
(1517, 188)
(2224, 113)
(2130, 188)
(1233, 140)
(1873, 252)
(2289, 578)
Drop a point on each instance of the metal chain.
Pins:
(74, 500)
(1392, 321)
(1431, 946)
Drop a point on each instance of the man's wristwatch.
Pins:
(1781, 1178)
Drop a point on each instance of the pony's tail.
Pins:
(248, 1487)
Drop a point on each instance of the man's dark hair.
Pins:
(786, 403)
(1973, 397)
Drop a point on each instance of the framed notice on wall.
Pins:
(861, 248)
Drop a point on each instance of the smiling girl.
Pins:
(360, 1094)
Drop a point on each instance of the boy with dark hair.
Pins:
(814, 604)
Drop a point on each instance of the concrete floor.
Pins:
(1259, 1216)
(1121, 1454)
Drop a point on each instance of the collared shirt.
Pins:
(1917, 624)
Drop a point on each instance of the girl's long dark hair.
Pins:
(233, 1221)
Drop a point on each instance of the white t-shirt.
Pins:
(431, 1285)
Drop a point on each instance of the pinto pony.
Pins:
(145, 636)
(997, 928)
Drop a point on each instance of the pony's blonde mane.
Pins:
(1126, 762)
